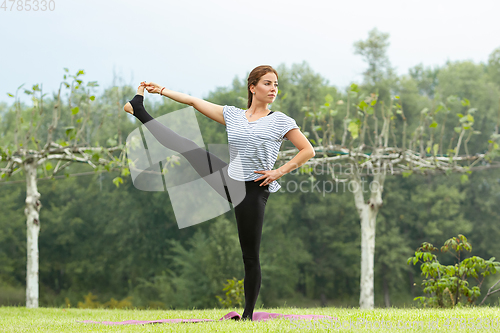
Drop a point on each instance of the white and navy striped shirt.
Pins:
(254, 145)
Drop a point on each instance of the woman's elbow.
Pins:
(311, 152)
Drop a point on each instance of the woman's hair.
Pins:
(254, 77)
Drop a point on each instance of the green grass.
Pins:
(19, 319)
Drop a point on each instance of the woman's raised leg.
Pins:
(201, 160)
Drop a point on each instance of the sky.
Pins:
(196, 46)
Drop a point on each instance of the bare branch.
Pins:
(442, 131)
(344, 135)
(489, 293)
(457, 148)
(55, 117)
(467, 141)
(375, 130)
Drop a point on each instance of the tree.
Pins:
(374, 52)
(23, 153)
(494, 66)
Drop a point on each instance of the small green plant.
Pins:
(90, 303)
(448, 286)
(67, 302)
(234, 294)
(156, 305)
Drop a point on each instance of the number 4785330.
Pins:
(28, 5)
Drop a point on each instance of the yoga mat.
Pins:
(257, 316)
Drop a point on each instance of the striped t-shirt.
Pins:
(254, 145)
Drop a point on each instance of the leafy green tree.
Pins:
(494, 66)
(22, 152)
(426, 79)
(374, 52)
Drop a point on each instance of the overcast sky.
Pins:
(196, 46)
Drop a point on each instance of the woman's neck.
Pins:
(258, 108)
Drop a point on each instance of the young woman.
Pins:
(254, 136)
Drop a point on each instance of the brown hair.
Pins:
(254, 77)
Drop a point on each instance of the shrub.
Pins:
(234, 294)
(90, 303)
(448, 286)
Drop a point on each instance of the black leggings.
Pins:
(249, 210)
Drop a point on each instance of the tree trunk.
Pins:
(323, 300)
(368, 215)
(32, 210)
(366, 298)
(412, 283)
(387, 299)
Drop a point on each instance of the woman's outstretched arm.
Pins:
(211, 110)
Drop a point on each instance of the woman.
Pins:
(255, 136)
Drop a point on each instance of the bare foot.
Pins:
(128, 107)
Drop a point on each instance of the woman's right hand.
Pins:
(151, 87)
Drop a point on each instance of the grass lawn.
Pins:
(19, 319)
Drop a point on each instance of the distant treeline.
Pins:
(122, 242)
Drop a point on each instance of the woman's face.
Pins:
(266, 89)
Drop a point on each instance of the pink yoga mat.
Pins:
(257, 316)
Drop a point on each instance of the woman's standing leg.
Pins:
(250, 219)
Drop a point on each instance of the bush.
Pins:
(234, 294)
(12, 296)
(90, 303)
(448, 286)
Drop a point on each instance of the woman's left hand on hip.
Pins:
(268, 176)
